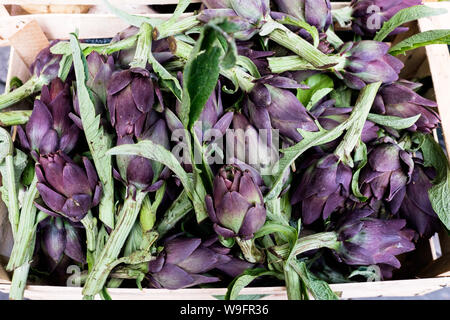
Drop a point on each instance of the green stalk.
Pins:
(33, 85)
(14, 118)
(251, 253)
(178, 210)
(170, 29)
(26, 229)
(353, 135)
(104, 263)
(143, 47)
(288, 39)
(90, 225)
(105, 49)
(7, 153)
(305, 244)
(292, 281)
(20, 276)
(289, 63)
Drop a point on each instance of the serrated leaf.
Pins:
(98, 140)
(393, 122)
(420, 40)
(156, 152)
(318, 288)
(439, 193)
(404, 16)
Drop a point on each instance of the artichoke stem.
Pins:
(33, 85)
(292, 280)
(288, 39)
(358, 118)
(178, 27)
(105, 261)
(143, 47)
(26, 229)
(251, 253)
(90, 224)
(19, 281)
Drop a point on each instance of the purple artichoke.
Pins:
(250, 147)
(399, 99)
(142, 173)
(46, 63)
(259, 58)
(370, 15)
(367, 62)
(270, 105)
(249, 15)
(387, 172)
(184, 260)
(50, 129)
(60, 237)
(324, 187)
(213, 117)
(367, 241)
(66, 188)
(237, 206)
(315, 12)
(416, 206)
(131, 96)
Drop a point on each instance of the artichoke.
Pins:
(387, 172)
(324, 187)
(370, 15)
(184, 260)
(315, 12)
(399, 100)
(61, 237)
(367, 241)
(416, 207)
(270, 105)
(237, 206)
(66, 188)
(131, 96)
(367, 62)
(50, 129)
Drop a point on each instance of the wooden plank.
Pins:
(29, 41)
(439, 62)
(3, 11)
(90, 26)
(91, 2)
(17, 68)
(393, 289)
(437, 268)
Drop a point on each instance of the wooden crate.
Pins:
(431, 270)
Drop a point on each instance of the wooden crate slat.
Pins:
(401, 288)
(92, 2)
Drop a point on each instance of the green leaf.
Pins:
(167, 79)
(343, 97)
(304, 25)
(439, 193)
(420, 40)
(157, 152)
(14, 118)
(318, 288)
(179, 209)
(272, 227)
(245, 279)
(213, 50)
(393, 122)
(404, 16)
(317, 96)
(98, 140)
(315, 83)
